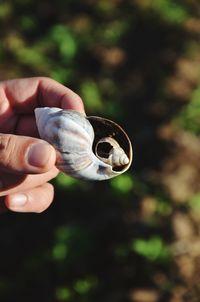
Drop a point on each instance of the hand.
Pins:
(27, 163)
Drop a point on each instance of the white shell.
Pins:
(116, 155)
(72, 135)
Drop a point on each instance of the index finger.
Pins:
(24, 95)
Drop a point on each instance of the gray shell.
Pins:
(87, 147)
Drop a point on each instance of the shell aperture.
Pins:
(110, 152)
(89, 148)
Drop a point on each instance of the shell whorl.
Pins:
(73, 136)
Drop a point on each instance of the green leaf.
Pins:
(65, 41)
(65, 181)
(63, 293)
(163, 207)
(189, 118)
(123, 183)
(195, 202)
(59, 251)
(27, 23)
(83, 286)
(91, 95)
(5, 10)
(62, 75)
(153, 249)
(170, 10)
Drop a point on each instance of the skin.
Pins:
(27, 163)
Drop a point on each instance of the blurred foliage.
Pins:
(91, 95)
(137, 62)
(154, 249)
(195, 202)
(122, 184)
(189, 118)
(171, 11)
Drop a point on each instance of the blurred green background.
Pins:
(134, 238)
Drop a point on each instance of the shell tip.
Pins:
(125, 160)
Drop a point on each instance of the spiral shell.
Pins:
(91, 148)
(114, 155)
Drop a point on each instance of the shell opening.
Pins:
(103, 149)
(111, 144)
(111, 155)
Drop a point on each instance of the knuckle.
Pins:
(7, 147)
(45, 79)
(79, 99)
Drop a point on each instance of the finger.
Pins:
(11, 184)
(26, 126)
(53, 93)
(26, 94)
(25, 155)
(34, 200)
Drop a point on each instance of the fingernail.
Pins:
(18, 200)
(38, 155)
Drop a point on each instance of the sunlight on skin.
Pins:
(26, 162)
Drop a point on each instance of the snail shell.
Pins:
(91, 148)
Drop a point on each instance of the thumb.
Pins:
(25, 155)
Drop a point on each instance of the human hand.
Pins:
(27, 163)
